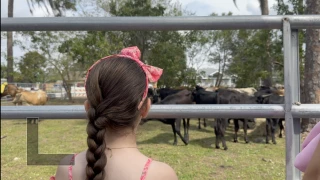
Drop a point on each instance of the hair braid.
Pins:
(96, 157)
(114, 90)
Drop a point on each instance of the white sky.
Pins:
(200, 7)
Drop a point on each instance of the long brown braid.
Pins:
(114, 90)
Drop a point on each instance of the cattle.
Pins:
(263, 90)
(152, 94)
(272, 123)
(31, 98)
(36, 98)
(249, 91)
(227, 96)
(212, 89)
(181, 97)
(224, 96)
(202, 96)
(164, 92)
(9, 89)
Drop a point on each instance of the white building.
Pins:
(210, 76)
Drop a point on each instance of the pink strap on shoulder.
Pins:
(70, 167)
(145, 169)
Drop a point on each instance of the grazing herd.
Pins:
(199, 95)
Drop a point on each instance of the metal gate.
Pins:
(290, 110)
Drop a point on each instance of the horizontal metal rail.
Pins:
(169, 111)
(157, 23)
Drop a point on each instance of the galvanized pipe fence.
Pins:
(291, 111)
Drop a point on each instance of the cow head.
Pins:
(263, 99)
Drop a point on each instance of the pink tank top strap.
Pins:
(145, 169)
(70, 167)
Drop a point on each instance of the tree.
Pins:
(48, 44)
(197, 50)
(142, 39)
(171, 57)
(222, 42)
(10, 46)
(58, 6)
(312, 66)
(32, 67)
(165, 49)
(267, 81)
(3, 71)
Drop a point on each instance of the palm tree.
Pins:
(57, 6)
(265, 11)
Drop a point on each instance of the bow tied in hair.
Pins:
(153, 73)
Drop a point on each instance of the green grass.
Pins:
(199, 160)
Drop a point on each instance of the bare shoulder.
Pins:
(160, 170)
(63, 168)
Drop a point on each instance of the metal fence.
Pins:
(290, 110)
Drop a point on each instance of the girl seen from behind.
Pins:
(116, 88)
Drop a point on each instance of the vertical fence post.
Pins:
(292, 94)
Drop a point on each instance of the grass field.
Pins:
(199, 160)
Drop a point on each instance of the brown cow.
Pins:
(249, 91)
(10, 89)
(31, 98)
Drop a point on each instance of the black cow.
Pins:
(243, 99)
(272, 122)
(224, 96)
(164, 92)
(182, 97)
(152, 94)
(201, 96)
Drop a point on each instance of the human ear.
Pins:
(86, 105)
(145, 109)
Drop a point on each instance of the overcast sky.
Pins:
(199, 7)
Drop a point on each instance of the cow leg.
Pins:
(177, 126)
(204, 122)
(217, 137)
(273, 130)
(186, 129)
(236, 129)
(185, 133)
(245, 128)
(223, 130)
(199, 126)
(268, 123)
(281, 127)
(216, 132)
(220, 129)
(188, 126)
(174, 133)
